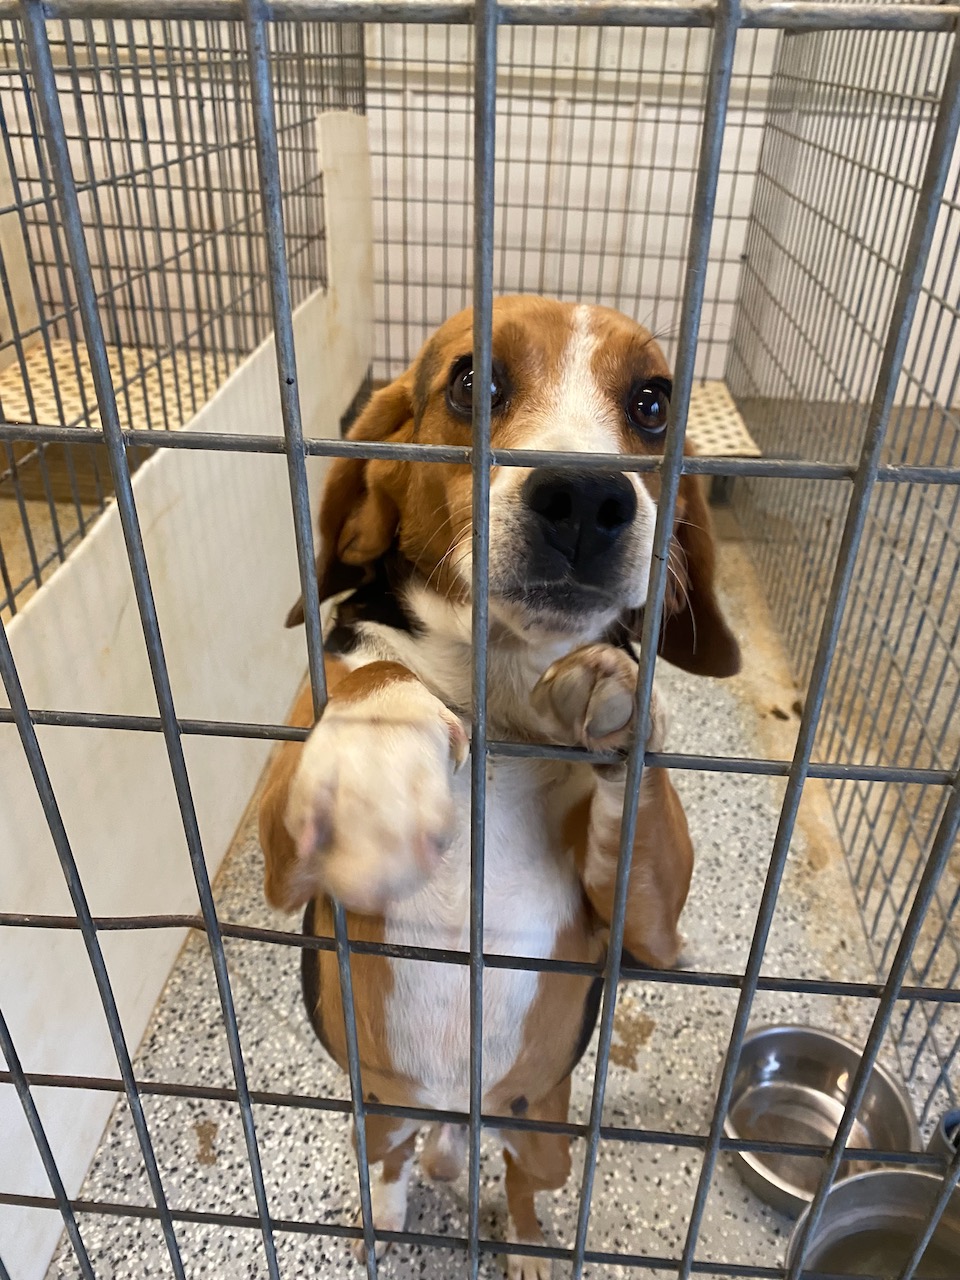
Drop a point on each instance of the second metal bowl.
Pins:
(791, 1086)
(872, 1223)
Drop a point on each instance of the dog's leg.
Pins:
(535, 1162)
(392, 1144)
(587, 699)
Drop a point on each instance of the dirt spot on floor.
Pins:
(206, 1131)
(634, 1027)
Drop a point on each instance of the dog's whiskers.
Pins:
(438, 568)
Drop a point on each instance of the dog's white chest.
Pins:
(530, 893)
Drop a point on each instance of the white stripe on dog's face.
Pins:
(569, 411)
(573, 414)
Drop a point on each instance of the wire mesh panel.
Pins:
(596, 148)
(833, 204)
(158, 119)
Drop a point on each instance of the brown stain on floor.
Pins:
(634, 1027)
(206, 1131)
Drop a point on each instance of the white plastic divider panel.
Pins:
(218, 532)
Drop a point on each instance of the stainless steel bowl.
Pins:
(791, 1086)
(871, 1223)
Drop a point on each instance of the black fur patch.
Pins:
(591, 1011)
(379, 599)
(591, 1007)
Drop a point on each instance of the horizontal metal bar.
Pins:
(752, 766)
(421, 1239)
(426, 1115)
(821, 15)
(701, 464)
(836, 771)
(491, 960)
(153, 724)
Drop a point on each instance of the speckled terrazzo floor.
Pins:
(668, 1045)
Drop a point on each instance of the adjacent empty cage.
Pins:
(775, 191)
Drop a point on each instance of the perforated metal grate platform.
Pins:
(715, 426)
(159, 392)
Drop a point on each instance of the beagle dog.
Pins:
(373, 809)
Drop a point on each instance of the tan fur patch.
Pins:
(659, 874)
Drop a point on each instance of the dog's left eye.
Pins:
(460, 388)
(647, 406)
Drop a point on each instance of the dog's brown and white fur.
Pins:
(374, 808)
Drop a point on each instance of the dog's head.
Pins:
(570, 550)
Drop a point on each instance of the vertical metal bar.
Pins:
(915, 259)
(264, 123)
(9, 600)
(58, 833)
(951, 1178)
(265, 129)
(114, 289)
(940, 851)
(484, 139)
(152, 220)
(43, 1147)
(711, 145)
(163, 73)
(182, 116)
(127, 121)
(52, 117)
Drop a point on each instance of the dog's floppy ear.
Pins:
(358, 517)
(694, 634)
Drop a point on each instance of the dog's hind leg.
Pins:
(535, 1162)
(391, 1143)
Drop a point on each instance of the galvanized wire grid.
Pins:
(872, 475)
(158, 121)
(804, 356)
(596, 161)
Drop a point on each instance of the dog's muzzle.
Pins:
(576, 528)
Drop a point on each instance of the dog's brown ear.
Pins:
(358, 517)
(694, 634)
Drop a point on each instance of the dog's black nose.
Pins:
(580, 515)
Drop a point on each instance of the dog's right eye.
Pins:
(460, 388)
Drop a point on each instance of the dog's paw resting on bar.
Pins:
(374, 809)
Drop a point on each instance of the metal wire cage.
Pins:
(775, 185)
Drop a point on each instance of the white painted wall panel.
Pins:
(219, 539)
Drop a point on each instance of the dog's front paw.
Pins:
(528, 1268)
(587, 700)
(370, 808)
